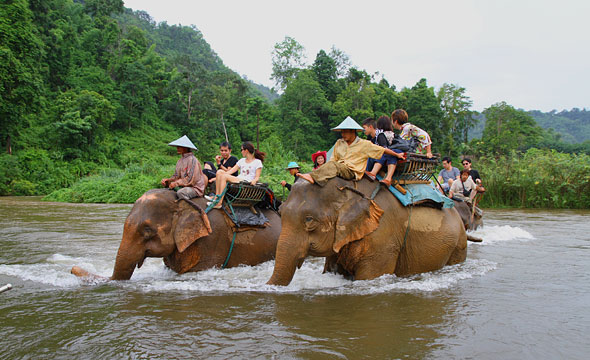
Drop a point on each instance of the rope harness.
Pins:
(237, 194)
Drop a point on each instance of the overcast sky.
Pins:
(531, 54)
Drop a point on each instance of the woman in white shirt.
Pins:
(250, 169)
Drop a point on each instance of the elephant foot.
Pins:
(81, 273)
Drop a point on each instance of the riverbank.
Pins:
(536, 179)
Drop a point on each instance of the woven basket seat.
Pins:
(244, 194)
(416, 169)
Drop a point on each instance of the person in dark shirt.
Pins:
(225, 161)
(369, 128)
(384, 137)
(473, 173)
(293, 169)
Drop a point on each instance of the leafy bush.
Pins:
(113, 185)
(536, 179)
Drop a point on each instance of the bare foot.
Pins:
(306, 177)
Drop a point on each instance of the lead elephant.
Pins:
(160, 225)
(363, 238)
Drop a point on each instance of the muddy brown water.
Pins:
(524, 293)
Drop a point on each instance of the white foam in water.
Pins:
(155, 277)
(495, 234)
(310, 279)
(48, 274)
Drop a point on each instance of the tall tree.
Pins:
(325, 71)
(288, 58)
(21, 53)
(424, 110)
(341, 60)
(254, 107)
(302, 106)
(355, 100)
(508, 129)
(457, 116)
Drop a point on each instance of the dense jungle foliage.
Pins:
(91, 93)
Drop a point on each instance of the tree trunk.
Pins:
(8, 146)
(224, 129)
(257, 130)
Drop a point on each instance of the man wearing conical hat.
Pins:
(350, 155)
(188, 175)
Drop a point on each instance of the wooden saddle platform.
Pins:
(416, 169)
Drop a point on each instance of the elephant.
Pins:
(363, 238)
(470, 223)
(161, 225)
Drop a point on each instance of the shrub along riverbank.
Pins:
(114, 185)
(135, 162)
(535, 179)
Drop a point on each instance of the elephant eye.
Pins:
(148, 232)
(310, 223)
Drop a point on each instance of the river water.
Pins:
(523, 293)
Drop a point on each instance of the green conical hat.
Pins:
(348, 124)
(184, 141)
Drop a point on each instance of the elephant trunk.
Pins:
(291, 252)
(127, 258)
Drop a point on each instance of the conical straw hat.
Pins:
(183, 141)
(348, 124)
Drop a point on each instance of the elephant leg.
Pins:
(376, 265)
(331, 266)
(460, 253)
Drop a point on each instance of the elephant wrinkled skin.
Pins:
(362, 238)
(160, 225)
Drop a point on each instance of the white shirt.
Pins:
(248, 170)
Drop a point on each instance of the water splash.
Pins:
(497, 234)
(155, 277)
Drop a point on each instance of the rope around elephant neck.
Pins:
(230, 250)
(409, 218)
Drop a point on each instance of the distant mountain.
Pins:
(270, 94)
(178, 40)
(573, 126)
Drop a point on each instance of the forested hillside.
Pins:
(91, 93)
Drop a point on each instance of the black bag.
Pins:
(404, 145)
(466, 192)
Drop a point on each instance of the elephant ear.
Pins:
(358, 217)
(189, 224)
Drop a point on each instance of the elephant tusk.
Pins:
(5, 288)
